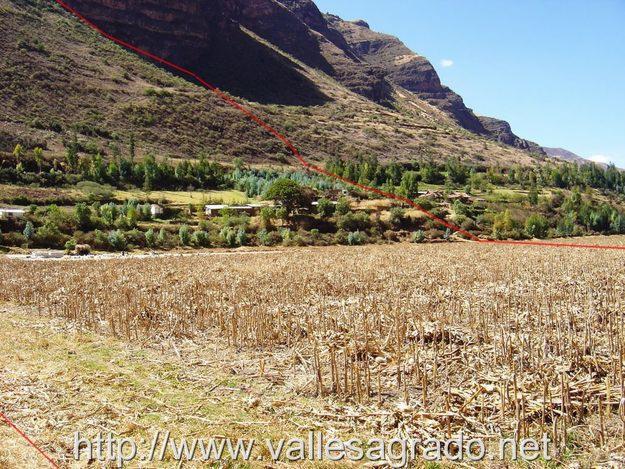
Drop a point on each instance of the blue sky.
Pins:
(554, 69)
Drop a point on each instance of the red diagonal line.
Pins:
(10, 423)
(296, 152)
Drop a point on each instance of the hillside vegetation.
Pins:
(57, 75)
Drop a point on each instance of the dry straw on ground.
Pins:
(422, 340)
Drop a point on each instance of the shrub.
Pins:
(29, 231)
(356, 238)
(354, 222)
(397, 216)
(70, 245)
(201, 239)
(268, 238)
(536, 226)
(161, 239)
(117, 240)
(342, 206)
(418, 236)
(325, 208)
(241, 238)
(229, 236)
(150, 238)
(341, 237)
(184, 235)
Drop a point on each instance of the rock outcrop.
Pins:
(219, 40)
(502, 131)
(405, 68)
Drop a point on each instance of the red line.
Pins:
(296, 152)
(30, 442)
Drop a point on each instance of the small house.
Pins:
(156, 210)
(11, 213)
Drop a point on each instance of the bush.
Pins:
(397, 217)
(228, 236)
(268, 238)
(70, 245)
(325, 208)
(117, 240)
(241, 238)
(341, 237)
(354, 222)
(343, 207)
(150, 238)
(14, 239)
(536, 226)
(418, 236)
(356, 238)
(184, 235)
(201, 239)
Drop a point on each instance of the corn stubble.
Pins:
(428, 340)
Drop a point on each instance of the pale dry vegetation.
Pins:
(417, 340)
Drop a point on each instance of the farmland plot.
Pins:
(419, 340)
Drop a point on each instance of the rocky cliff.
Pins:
(502, 131)
(405, 68)
(219, 39)
(212, 38)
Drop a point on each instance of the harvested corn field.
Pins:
(412, 340)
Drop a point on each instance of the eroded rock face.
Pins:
(502, 131)
(210, 38)
(405, 68)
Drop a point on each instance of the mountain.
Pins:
(405, 68)
(562, 154)
(283, 59)
(501, 130)
(416, 74)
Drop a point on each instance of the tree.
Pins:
(38, 152)
(150, 238)
(117, 240)
(503, 225)
(29, 230)
(410, 184)
(71, 155)
(289, 194)
(132, 151)
(536, 226)
(162, 237)
(184, 235)
(18, 152)
(83, 216)
(456, 171)
(431, 174)
(533, 195)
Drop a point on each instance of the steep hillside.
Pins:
(501, 130)
(58, 75)
(416, 74)
(409, 70)
(566, 155)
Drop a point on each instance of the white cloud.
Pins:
(446, 63)
(600, 159)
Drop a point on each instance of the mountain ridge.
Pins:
(109, 95)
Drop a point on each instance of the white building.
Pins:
(11, 213)
(213, 210)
